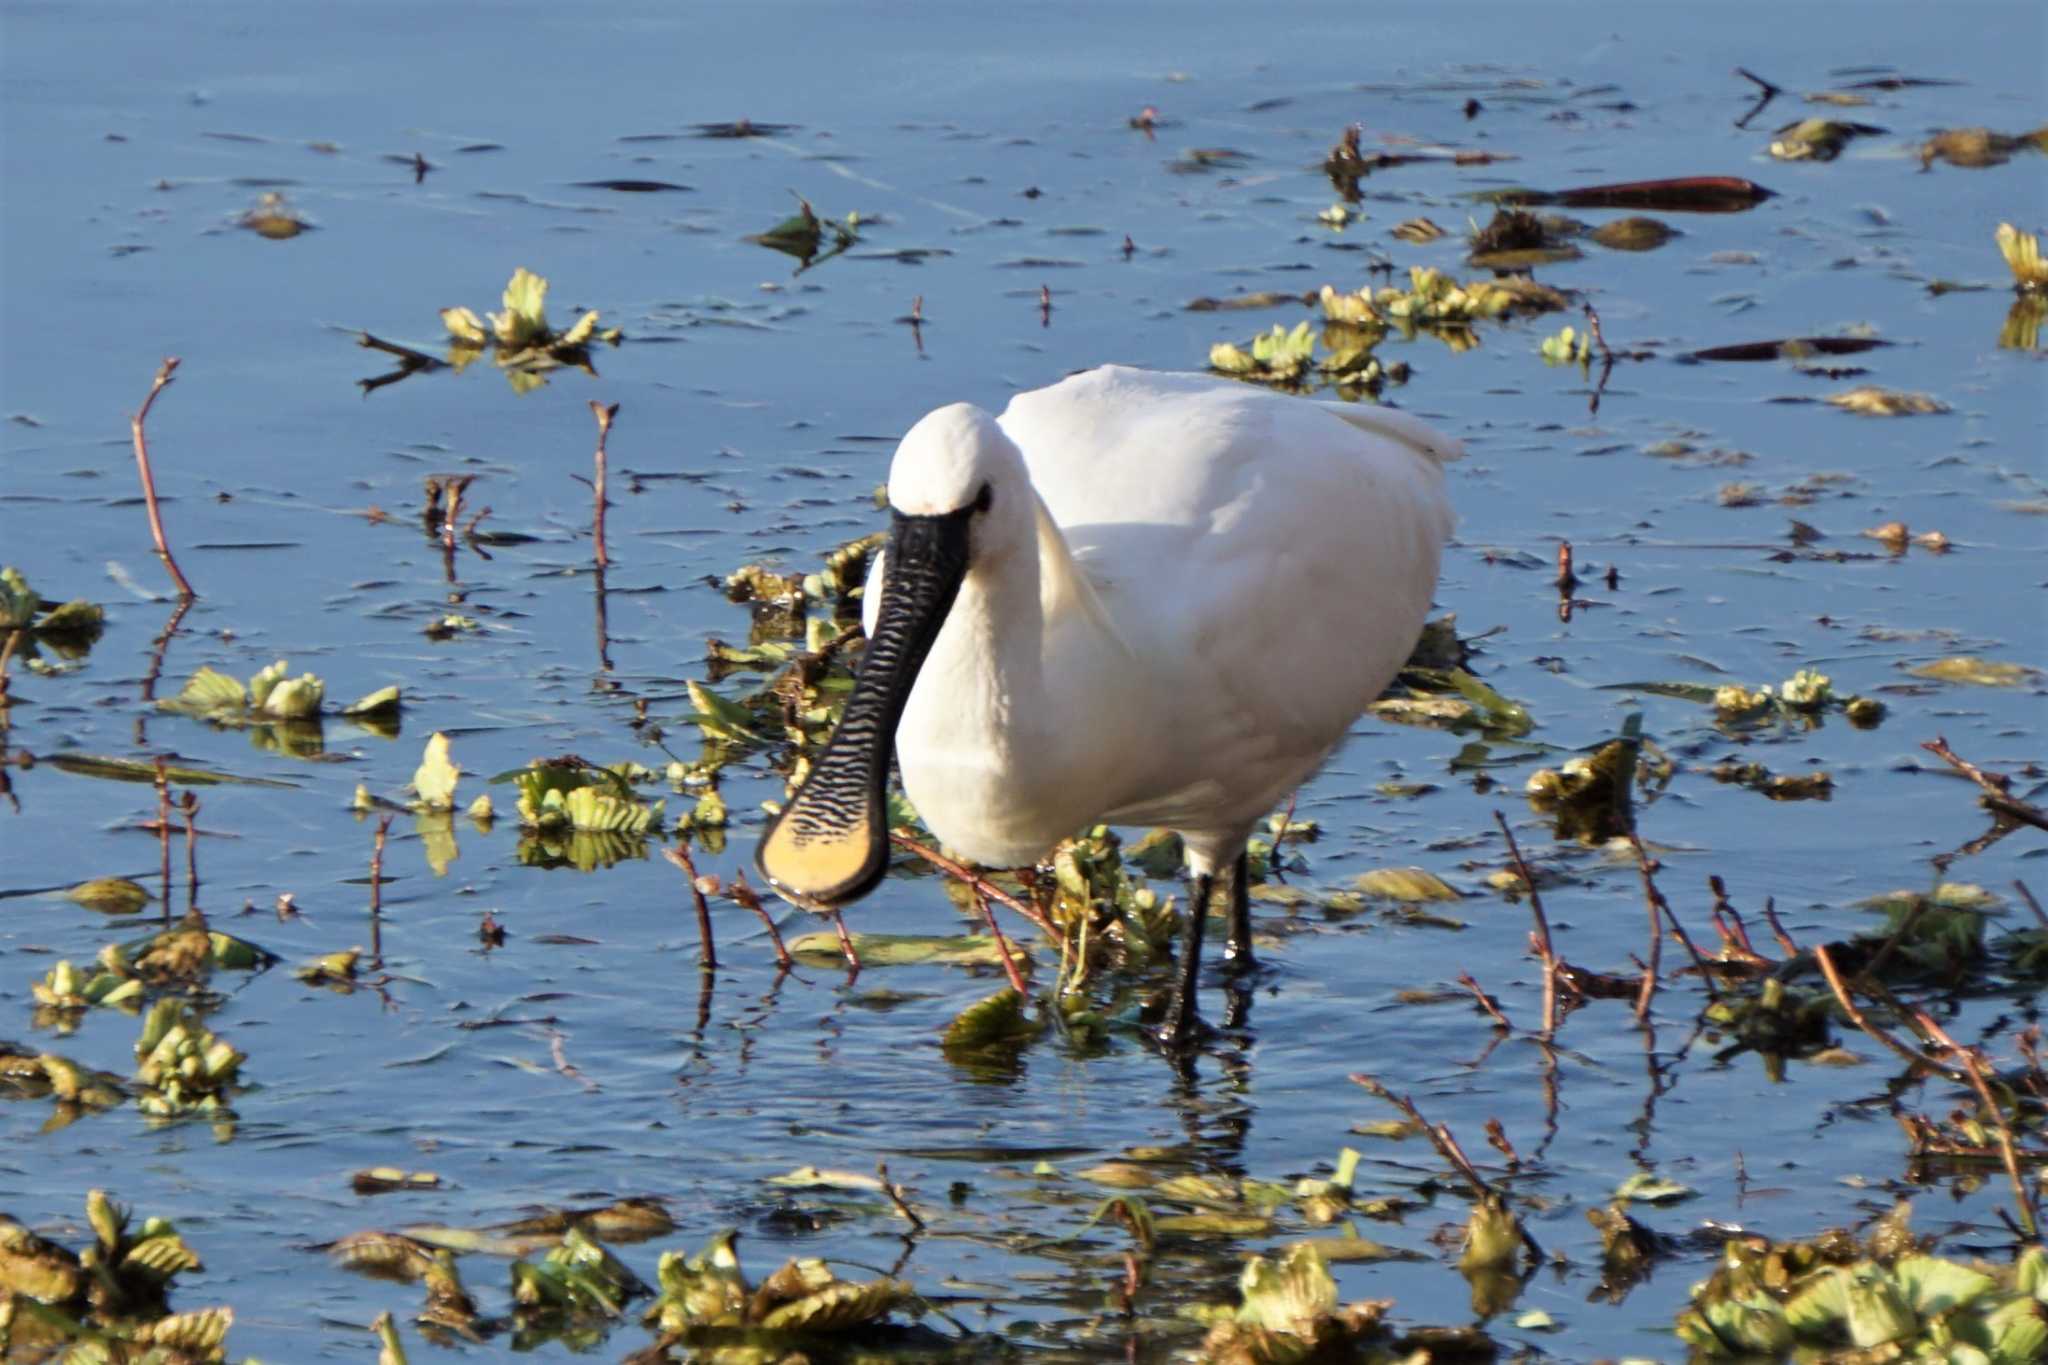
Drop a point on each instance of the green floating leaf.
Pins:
(1644, 1188)
(999, 1021)
(906, 950)
(385, 701)
(1405, 884)
(109, 895)
(1964, 668)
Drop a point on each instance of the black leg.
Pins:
(1178, 1032)
(1237, 949)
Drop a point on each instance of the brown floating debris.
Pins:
(1634, 234)
(1978, 147)
(1687, 194)
(1817, 139)
(1787, 348)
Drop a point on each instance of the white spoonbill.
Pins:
(1133, 599)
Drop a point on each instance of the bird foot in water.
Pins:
(1178, 1037)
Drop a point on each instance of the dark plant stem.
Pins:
(1539, 939)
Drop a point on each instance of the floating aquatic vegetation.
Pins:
(1976, 672)
(570, 794)
(1633, 234)
(580, 1277)
(803, 235)
(2022, 252)
(75, 1090)
(68, 628)
(1817, 139)
(65, 992)
(182, 1067)
(109, 1301)
(707, 1311)
(1813, 786)
(434, 780)
(1568, 347)
(390, 1179)
(185, 952)
(998, 1023)
(1786, 348)
(1978, 147)
(274, 217)
(1517, 239)
(1871, 401)
(1881, 1299)
(109, 895)
(1416, 230)
(336, 971)
(1288, 1311)
(522, 343)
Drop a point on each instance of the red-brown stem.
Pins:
(1785, 940)
(1857, 1017)
(604, 416)
(745, 895)
(1540, 939)
(1997, 789)
(156, 521)
(1566, 580)
(163, 828)
(707, 954)
(1654, 899)
(2006, 1150)
(1002, 946)
(189, 803)
(377, 892)
(979, 883)
(1486, 1002)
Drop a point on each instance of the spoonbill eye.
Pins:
(986, 496)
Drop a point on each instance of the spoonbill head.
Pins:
(1134, 598)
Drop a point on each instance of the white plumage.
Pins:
(1178, 594)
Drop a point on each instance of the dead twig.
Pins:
(156, 521)
(1997, 789)
(1447, 1147)
(1862, 1021)
(980, 884)
(1486, 1002)
(1540, 938)
(604, 416)
(1654, 899)
(1768, 93)
(2007, 1151)
(564, 1065)
(895, 1193)
(707, 953)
